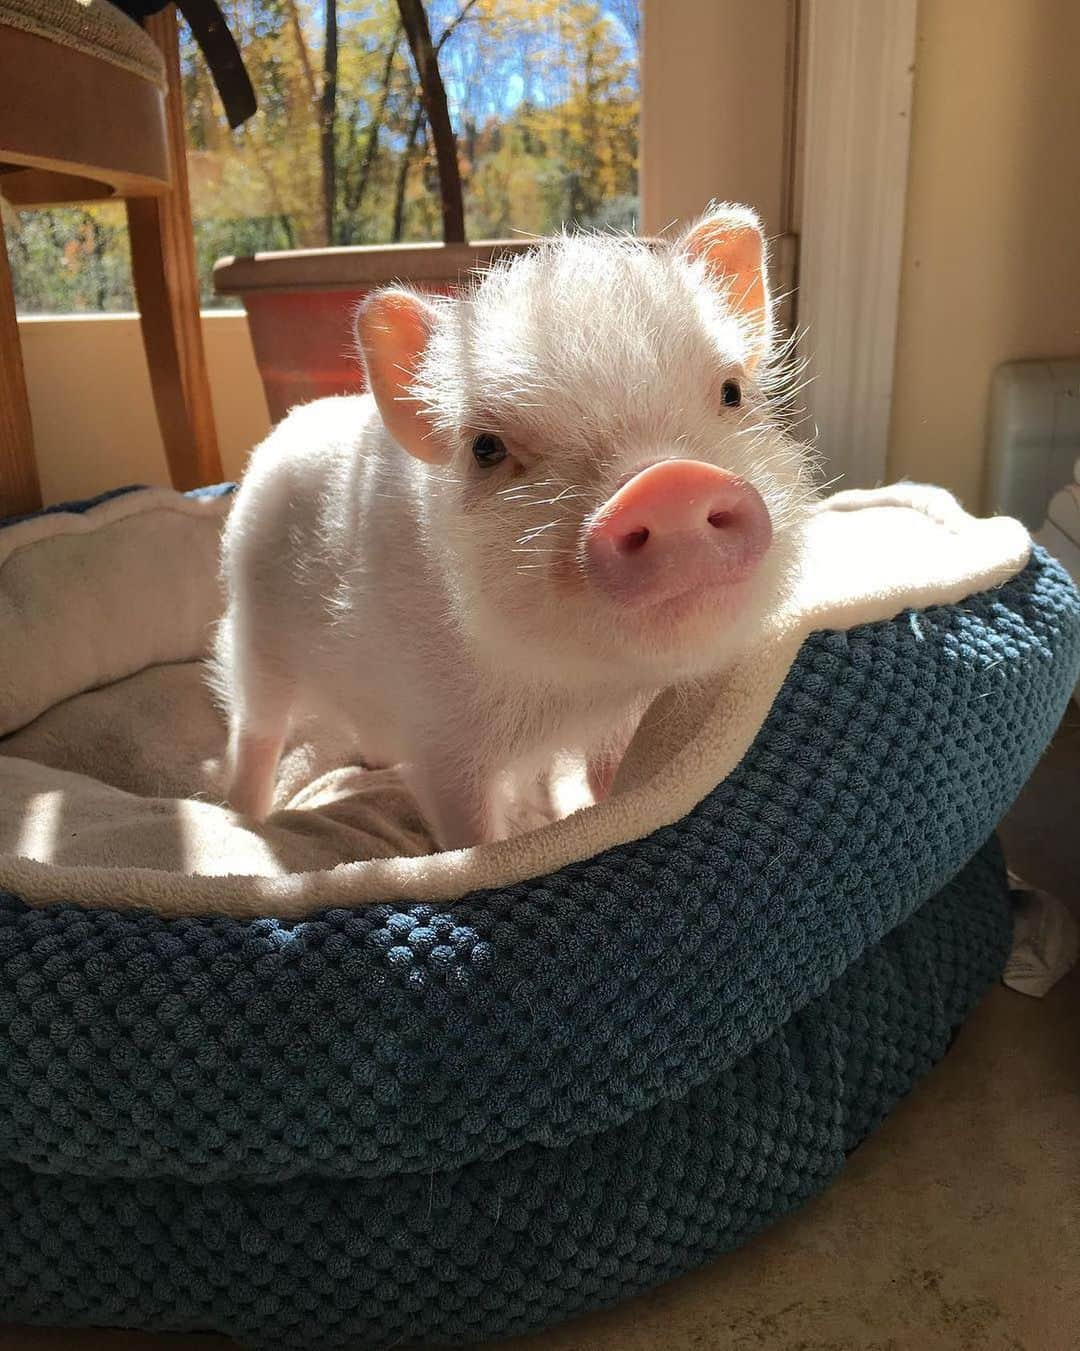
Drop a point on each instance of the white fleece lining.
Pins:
(89, 598)
(869, 556)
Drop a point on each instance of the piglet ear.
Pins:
(730, 242)
(393, 328)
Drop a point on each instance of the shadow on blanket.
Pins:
(141, 784)
(110, 783)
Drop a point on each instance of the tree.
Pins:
(433, 94)
(416, 129)
(328, 118)
(356, 186)
(543, 94)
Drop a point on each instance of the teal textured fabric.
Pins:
(420, 1123)
(517, 1241)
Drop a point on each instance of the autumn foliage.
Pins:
(543, 96)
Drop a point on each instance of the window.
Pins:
(543, 94)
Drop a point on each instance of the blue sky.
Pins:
(503, 94)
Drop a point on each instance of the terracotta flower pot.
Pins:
(300, 306)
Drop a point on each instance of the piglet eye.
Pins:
(488, 449)
(731, 394)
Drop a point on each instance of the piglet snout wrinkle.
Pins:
(677, 526)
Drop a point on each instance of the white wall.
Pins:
(715, 78)
(991, 266)
(93, 413)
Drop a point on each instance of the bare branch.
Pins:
(454, 22)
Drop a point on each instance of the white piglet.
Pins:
(566, 490)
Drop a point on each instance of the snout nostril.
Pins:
(635, 540)
(720, 519)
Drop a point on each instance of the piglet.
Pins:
(565, 491)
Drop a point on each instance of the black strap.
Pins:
(210, 31)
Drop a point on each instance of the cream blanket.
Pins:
(110, 745)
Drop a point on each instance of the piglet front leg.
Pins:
(251, 768)
(600, 771)
(257, 732)
(460, 803)
(602, 764)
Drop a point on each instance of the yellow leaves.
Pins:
(543, 94)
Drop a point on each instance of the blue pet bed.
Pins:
(440, 1122)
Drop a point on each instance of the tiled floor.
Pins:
(955, 1228)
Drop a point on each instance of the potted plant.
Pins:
(299, 302)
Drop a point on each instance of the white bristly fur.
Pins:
(441, 612)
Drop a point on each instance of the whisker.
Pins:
(543, 551)
(530, 535)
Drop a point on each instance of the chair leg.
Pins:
(160, 338)
(20, 490)
(167, 288)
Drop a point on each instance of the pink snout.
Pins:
(679, 526)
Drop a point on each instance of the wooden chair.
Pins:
(90, 108)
